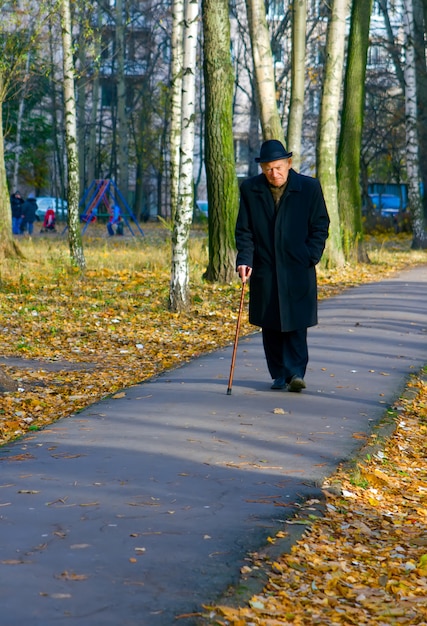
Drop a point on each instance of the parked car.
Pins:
(49, 202)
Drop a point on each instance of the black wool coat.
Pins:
(29, 209)
(283, 249)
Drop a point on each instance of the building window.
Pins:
(109, 93)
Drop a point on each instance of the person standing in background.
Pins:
(29, 214)
(16, 204)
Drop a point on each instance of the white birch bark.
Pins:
(73, 194)
(179, 285)
(296, 110)
(176, 99)
(412, 152)
(328, 127)
(264, 71)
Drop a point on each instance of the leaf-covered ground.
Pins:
(365, 561)
(94, 335)
(68, 341)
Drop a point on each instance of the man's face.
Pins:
(277, 172)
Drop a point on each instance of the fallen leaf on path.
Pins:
(360, 436)
(71, 576)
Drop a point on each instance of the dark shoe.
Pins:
(296, 384)
(279, 383)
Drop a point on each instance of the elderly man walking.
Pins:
(281, 230)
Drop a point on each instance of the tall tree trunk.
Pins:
(140, 161)
(296, 110)
(21, 106)
(176, 100)
(419, 239)
(8, 248)
(74, 233)
(223, 190)
(122, 124)
(350, 144)
(81, 83)
(421, 75)
(96, 91)
(393, 49)
(253, 140)
(91, 153)
(81, 131)
(328, 128)
(179, 285)
(57, 130)
(264, 71)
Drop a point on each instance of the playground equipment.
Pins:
(100, 199)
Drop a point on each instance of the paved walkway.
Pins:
(139, 509)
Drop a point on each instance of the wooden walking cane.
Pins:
(236, 339)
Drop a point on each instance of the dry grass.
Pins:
(111, 328)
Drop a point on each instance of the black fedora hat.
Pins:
(272, 150)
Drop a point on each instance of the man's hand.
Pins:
(244, 272)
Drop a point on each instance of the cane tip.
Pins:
(229, 391)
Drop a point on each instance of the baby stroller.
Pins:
(49, 222)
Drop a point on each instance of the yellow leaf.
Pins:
(71, 576)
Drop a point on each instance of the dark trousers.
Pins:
(286, 353)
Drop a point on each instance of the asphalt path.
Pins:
(141, 508)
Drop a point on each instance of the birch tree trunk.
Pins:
(122, 124)
(264, 71)
(73, 195)
(179, 284)
(296, 110)
(350, 144)
(328, 128)
(56, 105)
(176, 100)
(419, 239)
(8, 248)
(223, 190)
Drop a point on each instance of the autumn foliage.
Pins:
(91, 335)
(68, 339)
(365, 560)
